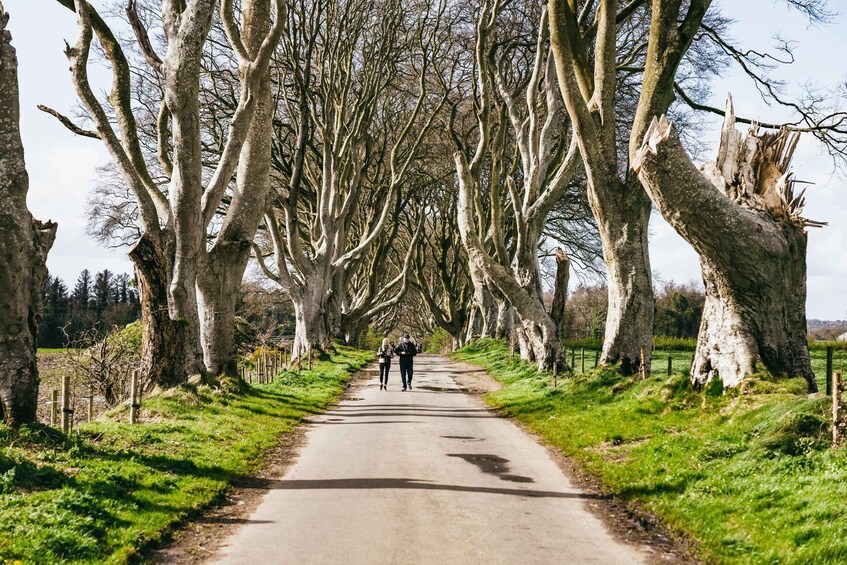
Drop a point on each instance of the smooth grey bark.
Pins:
(742, 217)
(222, 269)
(560, 293)
(24, 244)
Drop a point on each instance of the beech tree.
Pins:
(530, 111)
(359, 72)
(171, 257)
(587, 78)
(24, 244)
(677, 44)
(382, 278)
(440, 271)
(754, 317)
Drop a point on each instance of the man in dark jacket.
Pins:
(406, 352)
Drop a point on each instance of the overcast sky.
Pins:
(62, 167)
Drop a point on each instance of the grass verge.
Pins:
(108, 490)
(747, 476)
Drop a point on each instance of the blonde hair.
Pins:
(385, 342)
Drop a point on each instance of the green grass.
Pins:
(747, 476)
(105, 493)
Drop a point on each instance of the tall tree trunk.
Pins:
(163, 340)
(623, 215)
(217, 294)
(24, 244)
(485, 312)
(311, 330)
(560, 293)
(220, 277)
(754, 316)
(505, 319)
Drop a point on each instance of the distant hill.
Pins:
(813, 325)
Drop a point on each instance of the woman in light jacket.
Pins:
(385, 353)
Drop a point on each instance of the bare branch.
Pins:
(68, 123)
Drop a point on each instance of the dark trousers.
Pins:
(383, 372)
(406, 374)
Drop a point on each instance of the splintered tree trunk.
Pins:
(24, 244)
(560, 293)
(741, 216)
(163, 340)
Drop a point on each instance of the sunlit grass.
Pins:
(748, 477)
(106, 492)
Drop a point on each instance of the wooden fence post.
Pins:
(134, 405)
(596, 358)
(828, 370)
(67, 411)
(643, 365)
(583, 360)
(90, 403)
(836, 408)
(54, 407)
(573, 358)
(670, 365)
(310, 358)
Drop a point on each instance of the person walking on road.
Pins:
(406, 351)
(385, 353)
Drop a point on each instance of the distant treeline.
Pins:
(96, 302)
(678, 309)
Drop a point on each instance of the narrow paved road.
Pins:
(427, 476)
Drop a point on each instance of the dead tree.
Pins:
(742, 216)
(24, 244)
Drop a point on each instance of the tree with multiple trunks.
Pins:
(524, 159)
(188, 288)
(359, 108)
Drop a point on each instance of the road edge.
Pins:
(202, 537)
(626, 520)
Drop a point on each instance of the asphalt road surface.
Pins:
(424, 476)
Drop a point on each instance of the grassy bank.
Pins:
(747, 476)
(104, 493)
